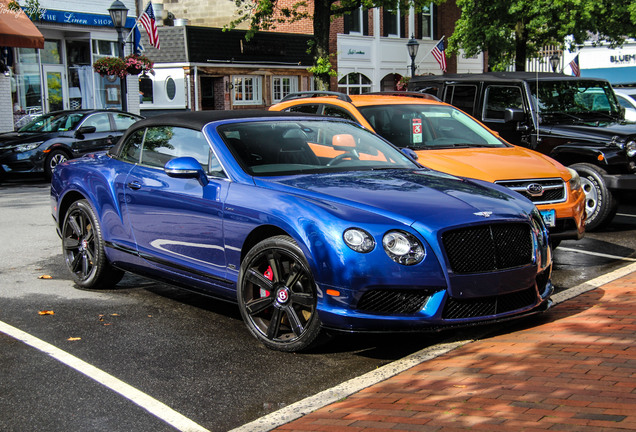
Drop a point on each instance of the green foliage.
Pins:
(518, 29)
(322, 67)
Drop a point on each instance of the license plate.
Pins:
(549, 217)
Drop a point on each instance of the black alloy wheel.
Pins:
(83, 248)
(54, 158)
(277, 295)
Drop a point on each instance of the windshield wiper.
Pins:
(560, 113)
(598, 113)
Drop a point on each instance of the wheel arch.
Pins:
(571, 154)
(65, 203)
(258, 235)
(60, 147)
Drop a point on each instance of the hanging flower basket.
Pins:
(403, 83)
(116, 67)
(110, 66)
(136, 64)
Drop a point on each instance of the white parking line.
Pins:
(153, 406)
(625, 215)
(598, 254)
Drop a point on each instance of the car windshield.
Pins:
(266, 148)
(55, 122)
(575, 100)
(424, 126)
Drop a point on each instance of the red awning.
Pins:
(17, 30)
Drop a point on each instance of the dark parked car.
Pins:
(577, 121)
(307, 222)
(55, 137)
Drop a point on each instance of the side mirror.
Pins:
(514, 115)
(410, 153)
(85, 130)
(186, 167)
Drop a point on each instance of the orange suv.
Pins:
(448, 140)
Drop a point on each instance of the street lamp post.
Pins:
(554, 62)
(412, 46)
(118, 13)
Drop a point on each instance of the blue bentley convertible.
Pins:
(308, 223)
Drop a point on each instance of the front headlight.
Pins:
(575, 181)
(27, 147)
(630, 148)
(403, 248)
(358, 240)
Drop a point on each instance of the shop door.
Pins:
(54, 88)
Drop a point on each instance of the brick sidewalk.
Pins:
(574, 370)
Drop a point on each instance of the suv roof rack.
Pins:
(406, 94)
(317, 93)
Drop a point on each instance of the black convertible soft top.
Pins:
(198, 119)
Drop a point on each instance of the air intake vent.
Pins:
(488, 248)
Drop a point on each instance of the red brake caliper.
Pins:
(269, 274)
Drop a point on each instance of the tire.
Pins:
(600, 203)
(53, 159)
(277, 295)
(83, 249)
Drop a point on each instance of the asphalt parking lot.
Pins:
(147, 356)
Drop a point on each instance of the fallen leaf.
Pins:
(46, 277)
(74, 339)
(114, 314)
(46, 312)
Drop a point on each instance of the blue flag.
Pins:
(139, 48)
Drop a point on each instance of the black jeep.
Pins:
(577, 121)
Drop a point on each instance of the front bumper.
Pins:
(25, 162)
(620, 181)
(439, 309)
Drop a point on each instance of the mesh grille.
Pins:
(485, 306)
(488, 248)
(393, 301)
(553, 190)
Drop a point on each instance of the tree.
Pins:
(265, 14)
(518, 29)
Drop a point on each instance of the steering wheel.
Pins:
(343, 156)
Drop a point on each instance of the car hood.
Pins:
(13, 138)
(493, 164)
(435, 199)
(591, 132)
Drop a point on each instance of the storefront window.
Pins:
(354, 83)
(52, 52)
(80, 74)
(282, 86)
(247, 90)
(28, 85)
(107, 88)
(145, 89)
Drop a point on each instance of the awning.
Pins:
(17, 30)
(616, 75)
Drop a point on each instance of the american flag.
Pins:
(440, 55)
(574, 64)
(147, 20)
